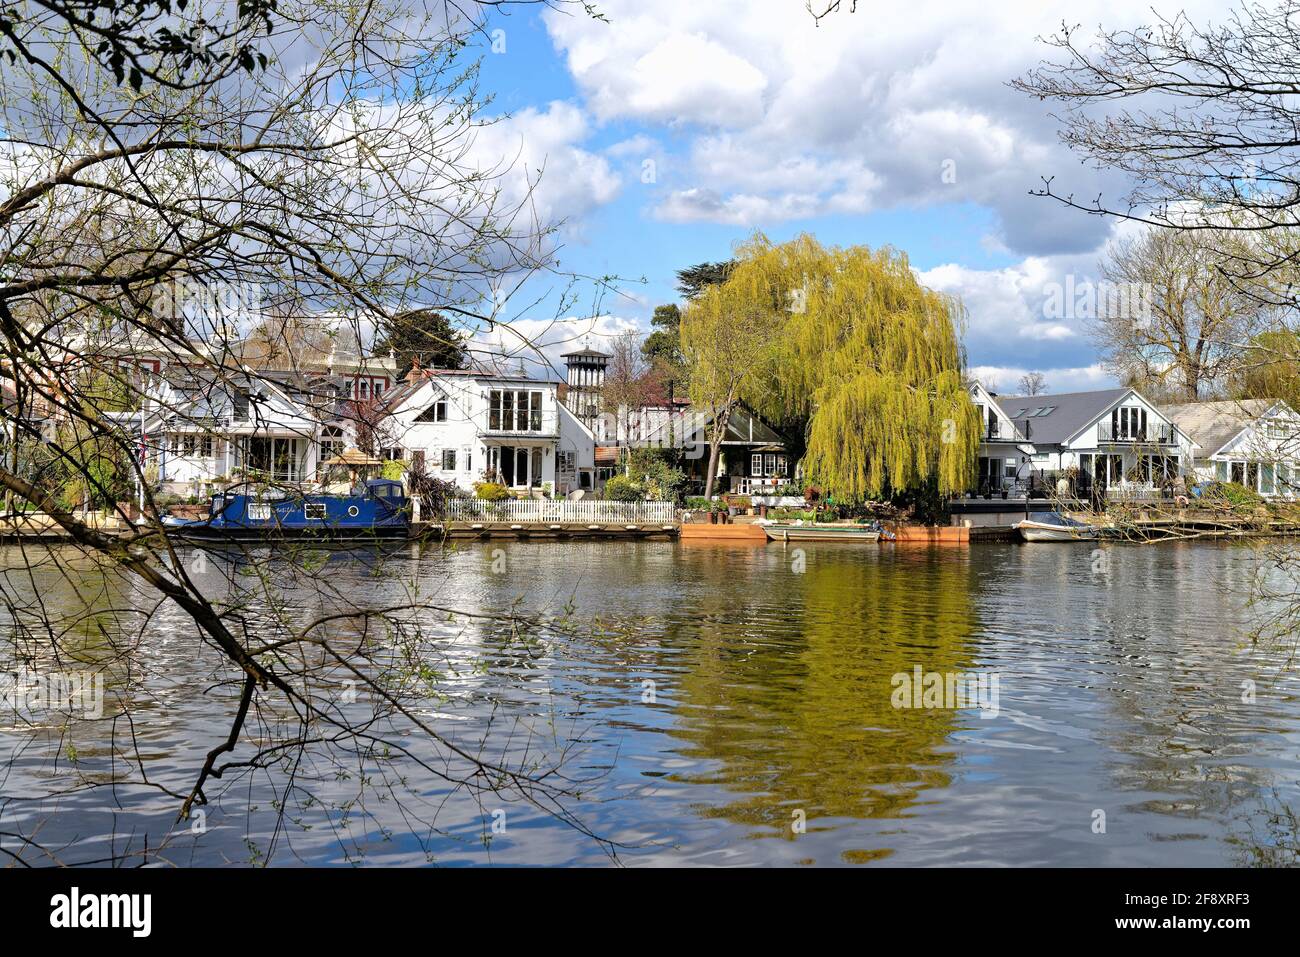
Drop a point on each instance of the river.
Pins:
(712, 704)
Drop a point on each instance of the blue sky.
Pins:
(878, 127)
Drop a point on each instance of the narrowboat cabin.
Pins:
(250, 511)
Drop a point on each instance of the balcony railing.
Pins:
(523, 424)
(1153, 434)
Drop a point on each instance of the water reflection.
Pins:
(706, 696)
(786, 692)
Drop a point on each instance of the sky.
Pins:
(678, 128)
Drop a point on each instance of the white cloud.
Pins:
(539, 343)
(541, 146)
(788, 120)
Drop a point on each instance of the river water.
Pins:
(708, 704)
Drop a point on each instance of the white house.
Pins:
(205, 433)
(467, 425)
(1114, 437)
(1255, 442)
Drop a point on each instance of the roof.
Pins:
(353, 457)
(1212, 425)
(743, 428)
(394, 398)
(296, 343)
(587, 353)
(607, 454)
(1068, 413)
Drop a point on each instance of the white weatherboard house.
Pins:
(207, 433)
(467, 425)
(1255, 442)
(1116, 438)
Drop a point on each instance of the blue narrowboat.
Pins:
(250, 511)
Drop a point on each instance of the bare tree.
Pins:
(1204, 130)
(1033, 383)
(629, 382)
(1177, 320)
(331, 170)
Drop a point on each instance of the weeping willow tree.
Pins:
(866, 358)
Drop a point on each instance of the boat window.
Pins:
(314, 511)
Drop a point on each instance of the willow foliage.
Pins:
(868, 356)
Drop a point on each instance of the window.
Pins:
(278, 458)
(449, 460)
(566, 461)
(756, 464)
(314, 511)
(1266, 486)
(434, 413)
(517, 411)
(331, 442)
(363, 388)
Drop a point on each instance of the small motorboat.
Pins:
(779, 532)
(1054, 527)
(252, 512)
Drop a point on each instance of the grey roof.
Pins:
(1070, 413)
(1212, 425)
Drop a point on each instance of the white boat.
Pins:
(1054, 527)
(821, 533)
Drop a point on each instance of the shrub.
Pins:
(659, 476)
(394, 469)
(698, 503)
(1234, 494)
(490, 491)
(620, 488)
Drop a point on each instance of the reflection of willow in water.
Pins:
(792, 697)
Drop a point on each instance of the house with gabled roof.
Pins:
(1115, 438)
(470, 425)
(1254, 442)
(204, 430)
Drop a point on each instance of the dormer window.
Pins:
(434, 413)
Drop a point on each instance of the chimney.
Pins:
(416, 373)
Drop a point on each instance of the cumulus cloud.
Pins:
(895, 106)
(558, 178)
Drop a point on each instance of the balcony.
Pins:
(520, 424)
(995, 432)
(1153, 434)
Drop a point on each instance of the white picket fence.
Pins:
(560, 511)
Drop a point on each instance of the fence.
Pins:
(560, 511)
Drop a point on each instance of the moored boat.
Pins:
(779, 532)
(254, 512)
(1054, 527)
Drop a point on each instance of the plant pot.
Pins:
(713, 518)
(1004, 493)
